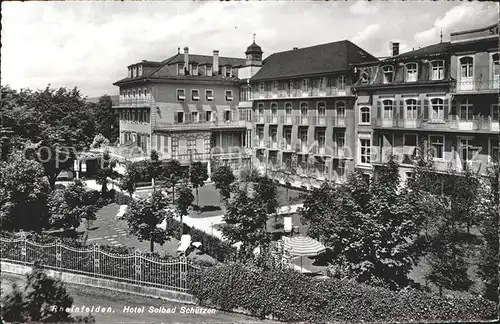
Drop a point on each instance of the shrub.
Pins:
(122, 199)
(287, 295)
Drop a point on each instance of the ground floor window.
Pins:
(364, 147)
(436, 143)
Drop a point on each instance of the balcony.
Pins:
(273, 145)
(302, 93)
(302, 148)
(286, 120)
(320, 121)
(272, 119)
(475, 86)
(259, 143)
(302, 120)
(453, 122)
(259, 118)
(286, 146)
(135, 103)
(320, 150)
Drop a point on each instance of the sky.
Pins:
(90, 44)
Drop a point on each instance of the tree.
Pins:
(489, 213)
(145, 214)
(371, 229)
(154, 168)
(267, 190)
(130, 178)
(24, 191)
(223, 177)
(54, 124)
(198, 174)
(183, 202)
(43, 300)
(172, 172)
(70, 205)
(246, 219)
(106, 120)
(106, 171)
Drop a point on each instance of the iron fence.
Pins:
(134, 268)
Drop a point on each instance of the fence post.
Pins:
(137, 265)
(23, 247)
(183, 272)
(96, 259)
(58, 253)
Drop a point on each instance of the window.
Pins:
(180, 69)
(304, 110)
(437, 112)
(341, 82)
(228, 71)
(494, 150)
(209, 70)
(409, 148)
(274, 109)
(364, 146)
(321, 109)
(262, 87)
(340, 106)
(134, 72)
(388, 111)
(321, 138)
(146, 95)
(495, 65)
(364, 115)
(340, 140)
(273, 134)
(140, 94)
(208, 115)
(287, 135)
(275, 86)
(467, 150)
(291, 85)
(227, 115)
(180, 117)
(195, 95)
(209, 95)
(466, 67)
(140, 70)
(411, 109)
(495, 112)
(411, 72)
(288, 109)
(180, 95)
(194, 67)
(388, 73)
(229, 95)
(437, 70)
(260, 108)
(305, 84)
(466, 110)
(437, 146)
(364, 77)
(194, 116)
(322, 82)
(303, 136)
(341, 171)
(133, 93)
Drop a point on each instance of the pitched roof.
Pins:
(207, 59)
(324, 58)
(434, 49)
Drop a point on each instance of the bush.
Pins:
(287, 295)
(121, 198)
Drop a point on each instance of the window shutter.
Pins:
(203, 117)
(446, 107)
(379, 109)
(400, 73)
(176, 114)
(453, 108)
(423, 69)
(401, 109)
(426, 108)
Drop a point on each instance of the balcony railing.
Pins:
(190, 122)
(452, 122)
(286, 146)
(259, 118)
(301, 93)
(286, 120)
(302, 148)
(260, 143)
(135, 102)
(272, 119)
(473, 86)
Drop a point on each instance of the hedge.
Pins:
(121, 198)
(287, 295)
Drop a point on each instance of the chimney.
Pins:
(295, 48)
(186, 58)
(395, 48)
(215, 66)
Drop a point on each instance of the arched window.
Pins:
(411, 109)
(321, 109)
(304, 109)
(467, 67)
(364, 115)
(388, 111)
(411, 72)
(340, 106)
(437, 112)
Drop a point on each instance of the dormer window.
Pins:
(411, 72)
(275, 86)
(139, 70)
(181, 96)
(228, 71)
(341, 82)
(437, 70)
(305, 84)
(209, 70)
(364, 77)
(134, 72)
(129, 72)
(195, 69)
(229, 95)
(388, 74)
(261, 87)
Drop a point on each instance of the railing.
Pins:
(452, 122)
(272, 119)
(302, 148)
(286, 146)
(301, 93)
(259, 119)
(133, 268)
(190, 123)
(259, 143)
(286, 120)
(135, 102)
(471, 86)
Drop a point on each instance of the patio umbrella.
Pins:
(302, 246)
